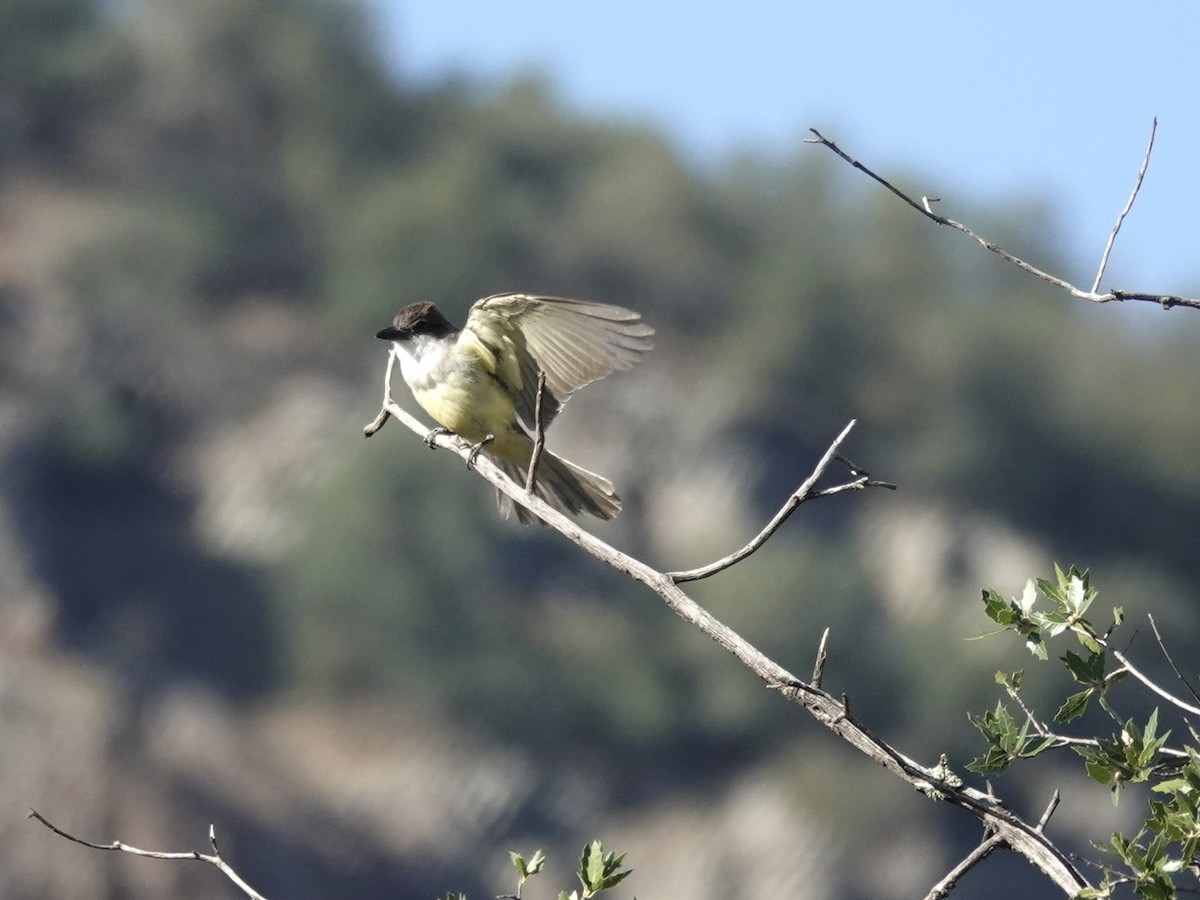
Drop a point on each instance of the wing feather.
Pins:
(574, 342)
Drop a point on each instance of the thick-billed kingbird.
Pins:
(481, 381)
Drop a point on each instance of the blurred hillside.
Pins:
(219, 604)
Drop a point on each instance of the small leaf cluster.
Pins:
(1070, 595)
(1168, 843)
(598, 871)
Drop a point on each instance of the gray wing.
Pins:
(574, 342)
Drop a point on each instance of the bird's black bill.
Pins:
(391, 333)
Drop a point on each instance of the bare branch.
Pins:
(1137, 186)
(1129, 667)
(1167, 654)
(819, 665)
(943, 888)
(380, 420)
(1050, 808)
(539, 434)
(924, 208)
(213, 859)
(802, 493)
(1145, 679)
(830, 711)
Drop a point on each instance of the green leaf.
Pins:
(599, 871)
(1050, 590)
(997, 608)
(1078, 598)
(1087, 670)
(1074, 707)
(591, 864)
(1036, 646)
(527, 869)
(1088, 641)
(992, 762)
(1098, 771)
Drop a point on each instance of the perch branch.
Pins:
(832, 712)
(213, 859)
(925, 208)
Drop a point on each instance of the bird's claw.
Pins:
(434, 434)
(475, 451)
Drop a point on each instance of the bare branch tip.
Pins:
(1050, 808)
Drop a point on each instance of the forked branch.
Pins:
(833, 712)
(213, 859)
(925, 207)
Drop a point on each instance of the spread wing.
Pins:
(574, 342)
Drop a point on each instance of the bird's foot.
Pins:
(475, 451)
(434, 434)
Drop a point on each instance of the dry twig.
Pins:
(1137, 186)
(943, 888)
(800, 495)
(213, 859)
(1166, 653)
(539, 435)
(924, 207)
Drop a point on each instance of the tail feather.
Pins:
(565, 486)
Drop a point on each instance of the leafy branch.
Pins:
(1168, 844)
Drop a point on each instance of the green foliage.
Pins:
(1169, 841)
(598, 872)
(1007, 741)
(526, 869)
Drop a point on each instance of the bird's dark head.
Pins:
(415, 320)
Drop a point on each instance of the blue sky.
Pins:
(985, 102)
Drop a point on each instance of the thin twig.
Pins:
(1167, 654)
(1137, 186)
(798, 496)
(819, 665)
(213, 859)
(380, 420)
(1145, 679)
(943, 888)
(925, 209)
(1050, 808)
(1029, 716)
(539, 434)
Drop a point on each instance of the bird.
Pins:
(481, 381)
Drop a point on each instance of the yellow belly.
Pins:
(474, 408)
